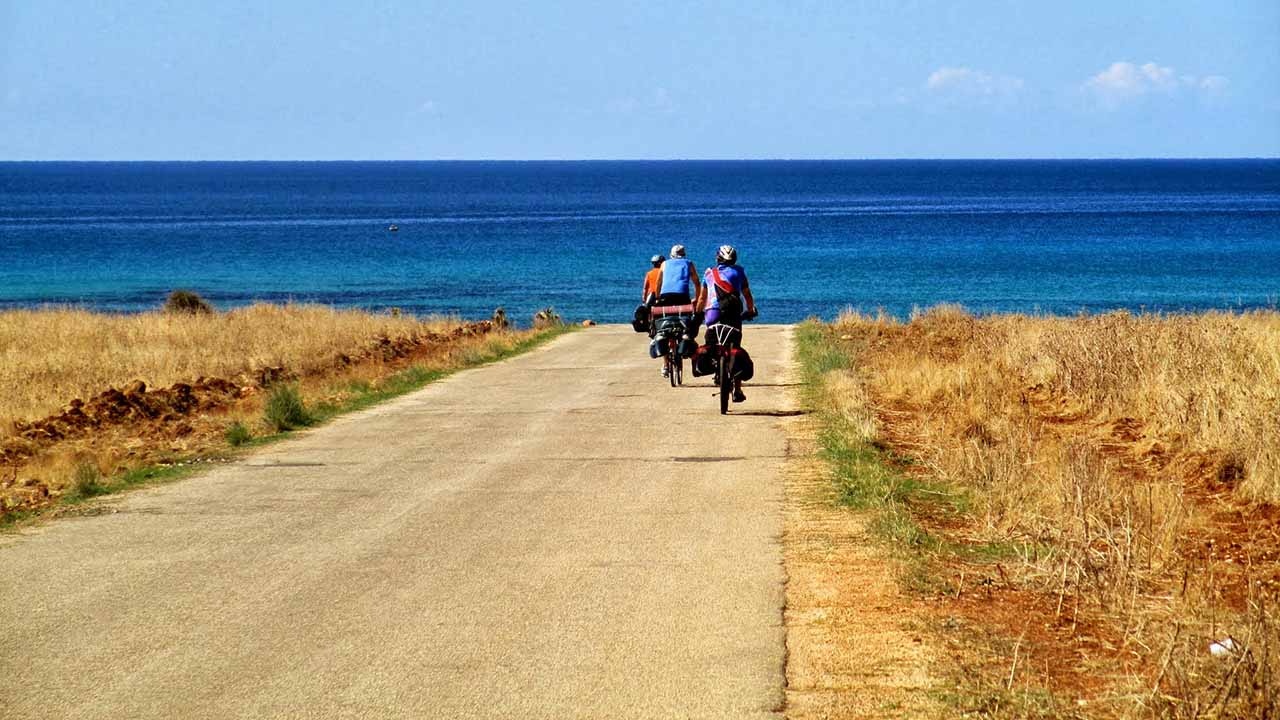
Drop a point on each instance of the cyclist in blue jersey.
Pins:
(727, 291)
(726, 298)
(678, 282)
(678, 285)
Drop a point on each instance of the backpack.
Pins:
(727, 299)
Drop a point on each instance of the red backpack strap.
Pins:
(721, 284)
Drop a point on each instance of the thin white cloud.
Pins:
(1125, 82)
(1213, 84)
(963, 82)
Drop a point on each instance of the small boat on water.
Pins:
(393, 228)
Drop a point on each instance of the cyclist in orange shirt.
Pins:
(653, 281)
(652, 287)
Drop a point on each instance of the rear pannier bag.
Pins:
(704, 363)
(743, 367)
(687, 348)
(640, 320)
(657, 348)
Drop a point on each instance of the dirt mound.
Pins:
(133, 404)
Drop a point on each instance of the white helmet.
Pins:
(677, 251)
(727, 255)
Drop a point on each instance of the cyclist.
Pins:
(652, 281)
(677, 285)
(677, 279)
(724, 294)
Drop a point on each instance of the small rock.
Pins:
(1223, 647)
(137, 387)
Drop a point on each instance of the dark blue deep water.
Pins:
(815, 237)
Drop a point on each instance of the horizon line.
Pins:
(1135, 158)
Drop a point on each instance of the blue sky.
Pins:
(421, 80)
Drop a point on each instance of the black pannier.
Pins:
(640, 320)
(670, 324)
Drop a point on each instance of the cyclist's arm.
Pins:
(693, 278)
(746, 294)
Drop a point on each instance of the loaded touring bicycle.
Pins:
(673, 338)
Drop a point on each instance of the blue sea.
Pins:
(815, 237)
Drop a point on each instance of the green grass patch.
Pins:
(86, 481)
(237, 434)
(285, 410)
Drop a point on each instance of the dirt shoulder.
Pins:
(855, 648)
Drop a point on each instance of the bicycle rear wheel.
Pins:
(726, 382)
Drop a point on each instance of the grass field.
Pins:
(48, 357)
(91, 400)
(1090, 501)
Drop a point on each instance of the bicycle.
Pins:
(727, 349)
(672, 324)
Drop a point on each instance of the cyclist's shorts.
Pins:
(715, 316)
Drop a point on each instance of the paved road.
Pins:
(556, 536)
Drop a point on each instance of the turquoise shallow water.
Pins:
(816, 237)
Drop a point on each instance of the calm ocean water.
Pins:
(815, 237)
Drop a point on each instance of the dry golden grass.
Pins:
(48, 357)
(222, 368)
(1129, 466)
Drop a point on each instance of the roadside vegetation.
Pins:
(1089, 505)
(94, 403)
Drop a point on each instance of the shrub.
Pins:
(237, 434)
(187, 302)
(86, 480)
(285, 409)
(545, 318)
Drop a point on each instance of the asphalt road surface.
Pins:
(560, 535)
